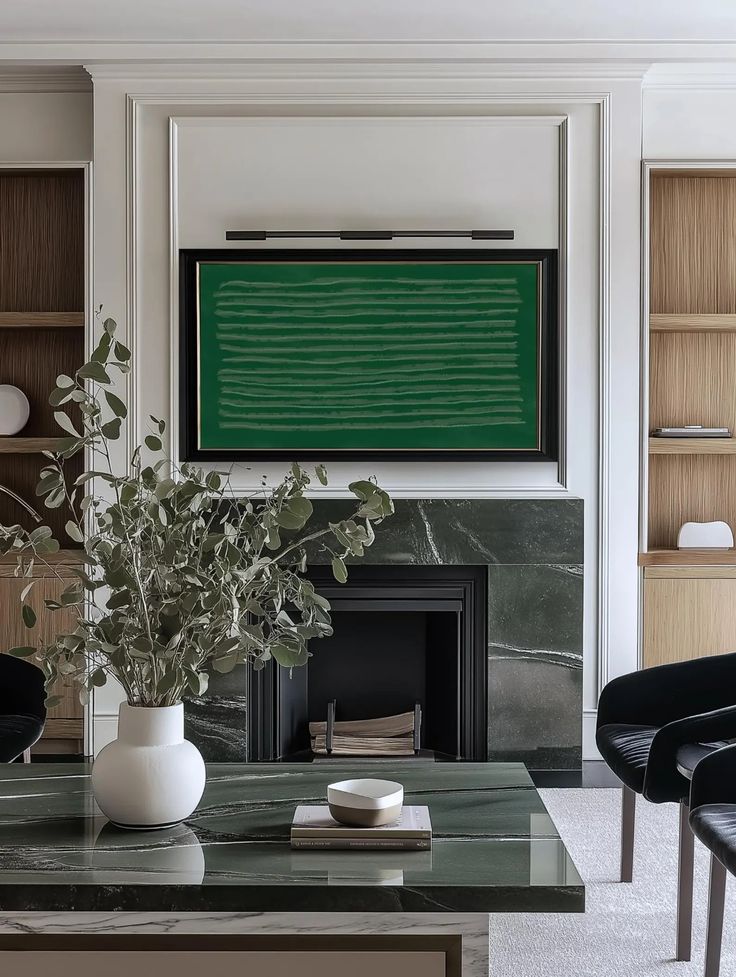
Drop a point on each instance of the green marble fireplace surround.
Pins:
(533, 552)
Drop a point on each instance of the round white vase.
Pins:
(150, 776)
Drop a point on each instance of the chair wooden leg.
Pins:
(716, 901)
(685, 885)
(628, 816)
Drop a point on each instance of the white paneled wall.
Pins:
(180, 159)
(183, 152)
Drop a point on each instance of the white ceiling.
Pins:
(167, 21)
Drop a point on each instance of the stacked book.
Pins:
(387, 736)
(314, 828)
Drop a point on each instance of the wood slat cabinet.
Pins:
(689, 597)
(64, 732)
(43, 294)
(689, 612)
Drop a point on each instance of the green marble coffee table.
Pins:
(229, 869)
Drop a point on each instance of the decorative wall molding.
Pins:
(587, 53)
(690, 77)
(132, 386)
(104, 730)
(590, 750)
(390, 65)
(605, 395)
(42, 79)
(563, 196)
(423, 88)
(457, 490)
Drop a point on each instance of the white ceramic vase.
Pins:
(150, 776)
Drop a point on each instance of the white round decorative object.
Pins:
(150, 776)
(14, 409)
(365, 803)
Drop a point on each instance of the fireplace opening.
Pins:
(407, 662)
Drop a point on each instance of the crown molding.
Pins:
(383, 71)
(581, 52)
(27, 78)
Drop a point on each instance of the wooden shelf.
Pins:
(28, 446)
(41, 320)
(61, 557)
(691, 573)
(692, 322)
(63, 729)
(687, 558)
(692, 446)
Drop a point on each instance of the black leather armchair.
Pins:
(713, 820)
(654, 726)
(22, 709)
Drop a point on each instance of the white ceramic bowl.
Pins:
(365, 803)
(14, 409)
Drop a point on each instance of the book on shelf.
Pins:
(315, 828)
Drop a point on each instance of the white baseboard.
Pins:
(105, 730)
(590, 750)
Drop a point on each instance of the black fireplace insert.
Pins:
(406, 639)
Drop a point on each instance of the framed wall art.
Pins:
(314, 354)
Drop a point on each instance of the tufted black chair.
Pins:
(654, 727)
(22, 710)
(713, 820)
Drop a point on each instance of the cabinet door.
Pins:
(64, 732)
(688, 617)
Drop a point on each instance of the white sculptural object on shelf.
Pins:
(705, 536)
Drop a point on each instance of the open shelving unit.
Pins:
(689, 596)
(42, 334)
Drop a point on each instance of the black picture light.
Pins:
(478, 235)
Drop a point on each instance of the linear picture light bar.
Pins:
(367, 235)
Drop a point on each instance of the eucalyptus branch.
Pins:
(196, 577)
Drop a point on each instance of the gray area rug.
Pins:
(627, 930)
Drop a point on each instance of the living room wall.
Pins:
(180, 158)
(45, 114)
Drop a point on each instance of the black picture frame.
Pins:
(189, 260)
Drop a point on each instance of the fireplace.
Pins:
(406, 640)
(530, 552)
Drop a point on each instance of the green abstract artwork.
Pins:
(368, 356)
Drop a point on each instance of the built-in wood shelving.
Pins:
(692, 322)
(692, 446)
(41, 320)
(689, 596)
(687, 558)
(42, 334)
(28, 446)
